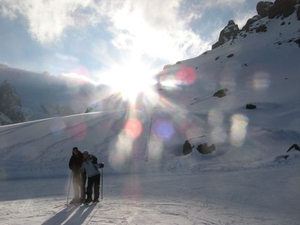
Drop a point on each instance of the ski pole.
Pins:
(102, 183)
(146, 159)
(69, 187)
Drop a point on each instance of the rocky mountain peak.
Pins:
(280, 8)
(228, 33)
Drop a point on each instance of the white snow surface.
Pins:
(248, 179)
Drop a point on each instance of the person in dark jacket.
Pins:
(78, 176)
(90, 166)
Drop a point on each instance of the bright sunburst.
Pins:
(130, 80)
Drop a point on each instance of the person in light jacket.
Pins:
(90, 166)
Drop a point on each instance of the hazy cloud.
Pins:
(46, 19)
(158, 29)
(220, 3)
(7, 12)
(154, 28)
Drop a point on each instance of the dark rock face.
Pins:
(10, 103)
(247, 27)
(220, 93)
(282, 8)
(262, 8)
(228, 33)
(250, 106)
(187, 148)
(261, 28)
(204, 149)
(279, 8)
(298, 42)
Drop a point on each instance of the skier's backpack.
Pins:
(95, 160)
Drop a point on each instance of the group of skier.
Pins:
(85, 165)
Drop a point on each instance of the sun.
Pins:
(131, 79)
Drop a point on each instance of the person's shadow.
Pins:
(81, 214)
(77, 218)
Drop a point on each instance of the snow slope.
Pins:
(262, 196)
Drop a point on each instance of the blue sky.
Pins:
(94, 37)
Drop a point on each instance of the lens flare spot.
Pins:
(238, 130)
(185, 125)
(155, 148)
(78, 130)
(120, 152)
(124, 144)
(167, 81)
(133, 128)
(163, 129)
(81, 71)
(261, 81)
(186, 75)
(228, 80)
(116, 159)
(57, 127)
(215, 118)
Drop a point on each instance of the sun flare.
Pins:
(131, 80)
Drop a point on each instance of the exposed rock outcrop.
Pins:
(187, 148)
(249, 23)
(280, 8)
(220, 93)
(204, 149)
(250, 106)
(263, 7)
(228, 33)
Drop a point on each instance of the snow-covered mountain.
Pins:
(44, 96)
(274, 22)
(238, 105)
(252, 66)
